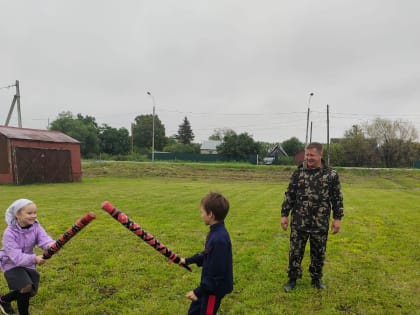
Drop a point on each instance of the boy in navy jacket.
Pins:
(216, 260)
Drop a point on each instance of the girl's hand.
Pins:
(40, 260)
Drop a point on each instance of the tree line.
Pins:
(382, 143)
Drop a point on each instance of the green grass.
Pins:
(372, 265)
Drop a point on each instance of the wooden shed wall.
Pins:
(7, 146)
(6, 175)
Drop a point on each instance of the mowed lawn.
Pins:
(372, 265)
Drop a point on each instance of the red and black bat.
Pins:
(145, 236)
(72, 231)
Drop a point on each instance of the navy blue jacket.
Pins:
(216, 260)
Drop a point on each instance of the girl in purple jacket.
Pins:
(17, 258)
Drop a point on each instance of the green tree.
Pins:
(83, 129)
(143, 132)
(265, 148)
(114, 141)
(337, 156)
(185, 134)
(238, 147)
(357, 149)
(220, 133)
(394, 139)
(292, 146)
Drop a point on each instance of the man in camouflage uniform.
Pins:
(314, 190)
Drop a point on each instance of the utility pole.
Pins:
(132, 138)
(16, 99)
(328, 135)
(153, 127)
(307, 118)
(310, 134)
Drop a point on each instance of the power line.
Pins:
(7, 86)
(228, 114)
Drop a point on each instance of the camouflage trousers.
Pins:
(318, 246)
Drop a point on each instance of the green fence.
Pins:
(417, 164)
(192, 157)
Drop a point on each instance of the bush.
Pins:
(284, 160)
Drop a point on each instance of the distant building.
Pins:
(274, 154)
(38, 156)
(210, 146)
(277, 151)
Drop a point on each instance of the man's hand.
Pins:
(284, 222)
(190, 295)
(335, 226)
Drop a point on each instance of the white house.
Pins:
(210, 146)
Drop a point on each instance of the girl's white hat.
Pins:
(14, 208)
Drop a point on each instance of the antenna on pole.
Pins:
(16, 99)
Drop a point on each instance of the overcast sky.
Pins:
(245, 65)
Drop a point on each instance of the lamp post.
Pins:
(307, 118)
(153, 126)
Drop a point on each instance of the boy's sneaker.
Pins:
(6, 308)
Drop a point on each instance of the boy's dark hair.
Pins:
(217, 204)
(315, 145)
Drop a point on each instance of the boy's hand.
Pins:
(182, 261)
(284, 222)
(190, 295)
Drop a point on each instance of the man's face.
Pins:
(313, 158)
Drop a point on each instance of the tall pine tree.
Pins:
(185, 134)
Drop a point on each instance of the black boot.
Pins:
(289, 286)
(5, 306)
(23, 303)
(316, 283)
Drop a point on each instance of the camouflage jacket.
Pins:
(310, 196)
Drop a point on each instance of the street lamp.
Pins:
(153, 126)
(307, 118)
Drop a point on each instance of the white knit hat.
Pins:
(14, 208)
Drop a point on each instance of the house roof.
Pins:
(36, 135)
(278, 150)
(210, 144)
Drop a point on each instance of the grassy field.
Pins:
(372, 265)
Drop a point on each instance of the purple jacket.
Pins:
(18, 246)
